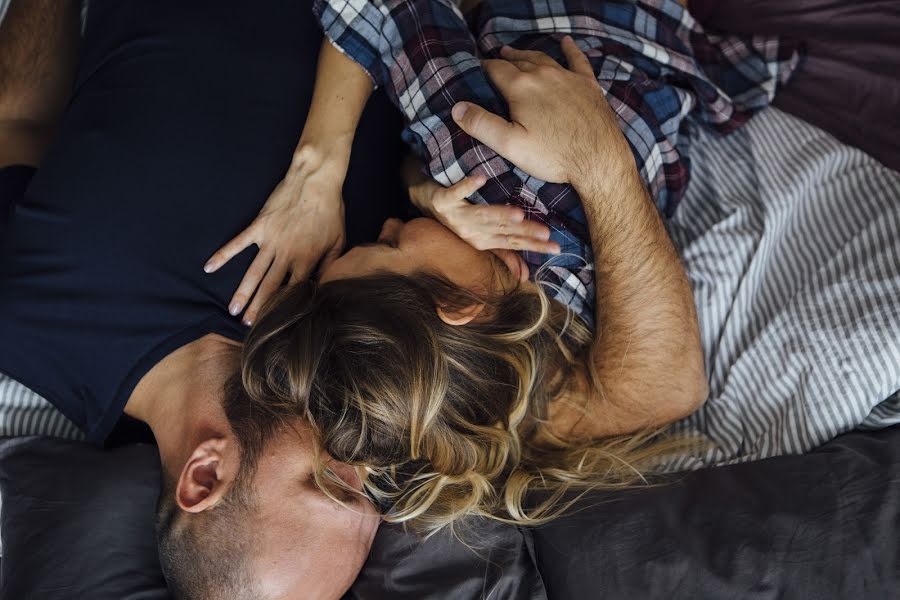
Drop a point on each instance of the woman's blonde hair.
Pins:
(441, 417)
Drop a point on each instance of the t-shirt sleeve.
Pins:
(14, 181)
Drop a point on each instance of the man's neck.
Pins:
(180, 397)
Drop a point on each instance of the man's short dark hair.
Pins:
(204, 556)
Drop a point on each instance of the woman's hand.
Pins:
(301, 225)
(484, 227)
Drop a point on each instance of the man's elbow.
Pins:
(23, 142)
(693, 393)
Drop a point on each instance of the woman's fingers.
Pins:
(332, 255)
(523, 243)
(270, 284)
(467, 187)
(251, 280)
(484, 227)
(530, 229)
(229, 250)
(578, 60)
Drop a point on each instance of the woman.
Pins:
(442, 368)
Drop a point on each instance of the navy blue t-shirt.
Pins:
(183, 120)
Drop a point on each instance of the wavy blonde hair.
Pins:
(441, 418)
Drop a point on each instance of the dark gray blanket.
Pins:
(848, 83)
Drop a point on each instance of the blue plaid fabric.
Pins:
(656, 64)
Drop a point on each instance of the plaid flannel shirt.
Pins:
(655, 63)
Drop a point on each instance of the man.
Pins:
(181, 120)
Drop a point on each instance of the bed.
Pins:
(788, 234)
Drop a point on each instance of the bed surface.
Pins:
(822, 525)
(789, 238)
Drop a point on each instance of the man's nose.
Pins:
(390, 231)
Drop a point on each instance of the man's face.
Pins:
(306, 545)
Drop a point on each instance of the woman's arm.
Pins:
(340, 95)
(646, 355)
(302, 222)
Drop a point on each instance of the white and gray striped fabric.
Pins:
(790, 241)
(791, 244)
(23, 412)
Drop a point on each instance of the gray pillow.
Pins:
(77, 522)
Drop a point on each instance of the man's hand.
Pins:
(300, 226)
(545, 100)
(648, 363)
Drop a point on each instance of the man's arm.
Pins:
(646, 350)
(38, 53)
(646, 355)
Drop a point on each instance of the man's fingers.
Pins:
(527, 56)
(486, 127)
(502, 72)
(251, 279)
(229, 250)
(270, 284)
(578, 60)
(525, 66)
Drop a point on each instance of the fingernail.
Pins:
(248, 322)
(208, 267)
(459, 110)
(235, 308)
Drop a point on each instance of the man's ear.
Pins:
(206, 476)
(460, 316)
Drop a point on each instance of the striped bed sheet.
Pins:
(791, 246)
(789, 241)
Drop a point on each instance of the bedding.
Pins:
(848, 84)
(79, 524)
(789, 238)
(99, 506)
(820, 526)
(791, 249)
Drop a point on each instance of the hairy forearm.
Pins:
(38, 53)
(341, 92)
(646, 352)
